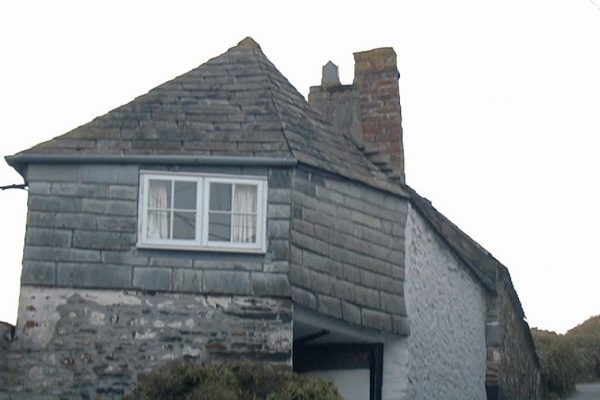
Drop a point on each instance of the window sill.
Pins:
(196, 248)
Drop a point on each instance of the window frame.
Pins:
(201, 243)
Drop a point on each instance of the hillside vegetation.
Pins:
(569, 358)
(585, 341)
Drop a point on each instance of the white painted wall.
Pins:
(395, 369)
(446, 307)
(352, 384)
(395, 350)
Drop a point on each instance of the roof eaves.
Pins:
(384, 186)
(20, 161)
(482, 264)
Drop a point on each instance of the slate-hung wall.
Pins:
(134, 304)
(81, 232)
(347, 251)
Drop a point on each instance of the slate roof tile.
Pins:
(236, 104)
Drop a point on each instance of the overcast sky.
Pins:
(500, 102)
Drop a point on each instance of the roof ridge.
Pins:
(248, 43)
(272, 100)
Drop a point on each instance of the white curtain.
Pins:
(158, 221)
(244, 214)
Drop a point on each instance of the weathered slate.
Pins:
(344, 251)
(236, 104)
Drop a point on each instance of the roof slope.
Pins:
(236, 104)
(479, 261)
(219, 108)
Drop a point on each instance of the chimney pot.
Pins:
(331, 74)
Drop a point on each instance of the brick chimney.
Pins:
(368, 111)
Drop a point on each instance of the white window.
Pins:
(202, 212)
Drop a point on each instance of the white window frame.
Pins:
(202, 204)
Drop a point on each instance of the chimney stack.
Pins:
(368, 111)
(376, 78)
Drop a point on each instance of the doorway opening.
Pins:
(340, 353)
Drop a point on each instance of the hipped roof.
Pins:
(236, 104)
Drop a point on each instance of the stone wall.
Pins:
(368, 111)
(95, 310)
(513, 367)
(347, 251)
(82, 232)
(73, 343)
(6, 336)
(340, 104)
(446, 305)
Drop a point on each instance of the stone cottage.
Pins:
(222, 216)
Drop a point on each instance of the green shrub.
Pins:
(585, 340)
(557, 360)
(185, 380)
(298, 387)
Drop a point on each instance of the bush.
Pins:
(185, 380)
(557, 360)
(585, 340)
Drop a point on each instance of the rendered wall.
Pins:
(446, 305)
(395, 369)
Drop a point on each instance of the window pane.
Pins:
(185, 195)
(245, 199)
(220, 197)
(219, 227)
(158, 224)
(243, 228)
(159, 194)
(184, 225)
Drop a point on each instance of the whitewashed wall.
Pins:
(446, 308)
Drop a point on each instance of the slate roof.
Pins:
(483, 264)
(236, 104)
(486, 268)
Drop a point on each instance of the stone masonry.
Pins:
(368, 112)
(91, 344)
(513, 370)
(376, 77)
